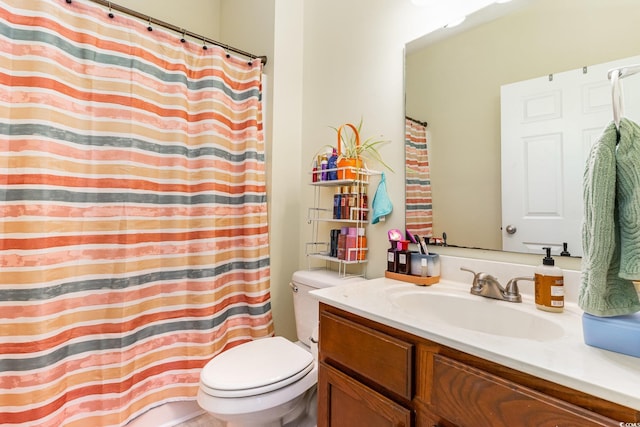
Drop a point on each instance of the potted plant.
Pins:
(352, 151)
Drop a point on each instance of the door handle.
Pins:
(511, 229)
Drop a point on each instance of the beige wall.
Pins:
(285, 169)
(455, 86)
(199, 16)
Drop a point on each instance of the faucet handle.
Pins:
(476, 286)
(511, 292)
(469, 270)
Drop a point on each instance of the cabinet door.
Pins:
(425, 418)
(470, 397)
(369, 355)
(344, 402)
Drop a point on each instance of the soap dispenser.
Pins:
(549, 285)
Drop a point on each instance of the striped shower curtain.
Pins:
(419, 214)
(133, 245)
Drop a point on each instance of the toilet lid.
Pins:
(256, 367)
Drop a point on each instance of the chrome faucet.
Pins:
(488, 286)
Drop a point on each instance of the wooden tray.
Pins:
(416, 280)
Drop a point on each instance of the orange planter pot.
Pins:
(348, 168)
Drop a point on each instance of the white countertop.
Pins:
(566, 360)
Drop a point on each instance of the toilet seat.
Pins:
(255, 367)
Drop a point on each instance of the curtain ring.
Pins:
(149, 28)
(184, 33)
(204, 44)
(110, 13)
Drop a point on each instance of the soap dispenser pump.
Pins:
(549, 285)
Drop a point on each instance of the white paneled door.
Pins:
(548, 126)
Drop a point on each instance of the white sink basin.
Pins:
(478, 314)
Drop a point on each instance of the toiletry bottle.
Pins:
(362, 244)
(333, 249)
(549, 285)
(332, 165)
(351, 244)
(342, 243)
(364, 203)
(344, 203)
(318, 171)
(350, 201)
(337, 203)
(314, 171)
(404, 258)
(353, 203)
(391, 256)
(323, 167)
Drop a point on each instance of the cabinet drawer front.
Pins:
(470, 397)
(369, 354)
(342, 401)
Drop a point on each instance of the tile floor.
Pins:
(204, 420)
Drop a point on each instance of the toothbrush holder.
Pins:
(425, 265)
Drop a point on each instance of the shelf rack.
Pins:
(317, 215)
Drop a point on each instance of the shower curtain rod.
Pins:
(112, 6)
(420, 122)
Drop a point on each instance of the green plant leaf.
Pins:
(368, 149)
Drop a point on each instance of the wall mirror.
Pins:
(453, 81)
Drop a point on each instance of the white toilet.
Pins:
(271, 381)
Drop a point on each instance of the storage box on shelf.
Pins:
(347, 207)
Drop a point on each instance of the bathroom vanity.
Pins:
(387, 359)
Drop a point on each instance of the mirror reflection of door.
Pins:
(453, 80)
(542, 120)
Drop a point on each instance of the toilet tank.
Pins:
(305, 306)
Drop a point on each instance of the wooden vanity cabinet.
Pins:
(375, 375)
(365, 376)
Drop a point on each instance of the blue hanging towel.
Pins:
(381, 203)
